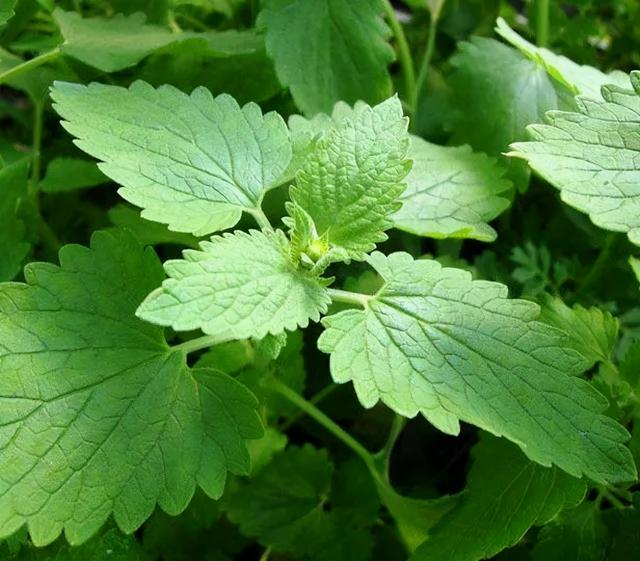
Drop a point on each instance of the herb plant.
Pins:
(268, 294)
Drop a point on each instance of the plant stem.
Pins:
(599, 264)
(384, 456)
(265, 554)
(36, 146)
(199, 343)
(346, 297)
(261, 219)
(29, 65)
(426, 61)
(317, 398)
(404, 53)
(542, 23)
(325, 421)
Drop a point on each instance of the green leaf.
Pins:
(506, 494)
(634, 262)
(286, 506)
(353, 177)
(193, 162)
(68, 174)
(13, 192)
(579, 535)
(101, 417)
(237, 286)
(433, 341)
(6, 11)
(452, 192)
(329, 50)
(592, 332)
(578, 79)
(593, 157)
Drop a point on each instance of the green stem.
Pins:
(317, 398)
(29, 65)
(325, 421)
(199, 343)
(384, 456)
(36, 145)
(599, 264)
(261, 219)
(613, 500)
(265, 554)
(404, 53)
(426, 61)
(542, 23)
(346, 297)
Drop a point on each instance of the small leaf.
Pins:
(451, 192)
(329, 50)
(237, 286)
(593, 157)
(68, 174)
(435, 342)
(6, 11)
(193, 162)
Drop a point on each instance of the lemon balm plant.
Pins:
(152, 398)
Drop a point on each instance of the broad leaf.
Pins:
(329, 50)
(578, 79)
(291, 506)
(13, 192)
(6, 11)
(69, 174)
(433, 341)
(593, 157)
(353, 176)
(193, 162)
(452, 192)
(506, 494)
(237, 286)
(100, 416)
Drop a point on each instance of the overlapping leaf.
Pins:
(433, 341)
(193, 162)
(593, 157)
(237, 286)
(452, 192)
(99, 416)
(329, 50)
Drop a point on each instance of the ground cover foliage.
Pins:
(319, 280)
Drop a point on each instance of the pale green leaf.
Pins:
(433, 341)
(353, 176)
(100, 417)
(592, 332)
(6, 11)
(329, 50)
(68, 174)
(578, 79)
(593, 157)
(13, 243)
(237, 286)
(193, 162)
(452, 192)
(506, 494)
(634, 263)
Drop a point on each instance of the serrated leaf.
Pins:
(592, 332)
(578, 79)
(237, 286)
(13, 192)
(452, 192)
(100, 416)
(435, 342)
(68, 174)
(328, 50)
(284, 507)
(193, 162)
(354, 175)
(506, 494)
(593, 157)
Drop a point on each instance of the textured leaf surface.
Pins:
(13, 192)
(237, 286)
(354, 175)
(99, 416)
(592, 332)
(506, 494)
(284, 507)
(6, 11)
(451, 192)
(578, 79)
(593, 157)
(193, 162)
(434, 341)
(68, 174)
(329, 50)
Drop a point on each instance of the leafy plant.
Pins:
(203, 370)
